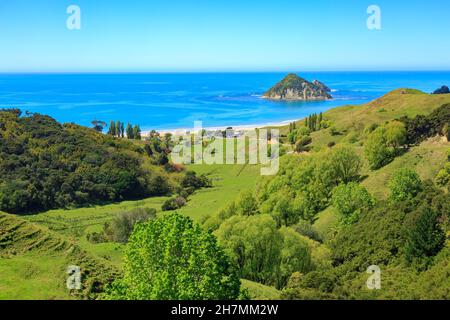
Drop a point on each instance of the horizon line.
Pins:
(69, 72)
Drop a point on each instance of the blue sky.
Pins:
(223, 35)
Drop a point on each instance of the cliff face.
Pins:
(293, 88)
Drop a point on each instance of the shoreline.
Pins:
(243, 127)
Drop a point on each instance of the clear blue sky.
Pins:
(223, 35)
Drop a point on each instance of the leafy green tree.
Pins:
(246, 204)
(283, 210)
(137, 132)
(350, 200)
(302, 144)
(376, 149)
(405, 184)
(395, 134)
(295, 256)
(345, 164)
(254, 245)
(172, 258)
(426, 238)
(130, 131)
(112, 128)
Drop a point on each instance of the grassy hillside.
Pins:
(35, 250)
(34, 260)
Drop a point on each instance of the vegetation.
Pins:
(372, 193)
(47, 165)
(172, 258)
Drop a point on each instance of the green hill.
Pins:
(47, 165)
(34, 260)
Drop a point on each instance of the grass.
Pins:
(35, 250)
(426, 159)
(33, 276)
(258, 291)
(76, 224)
(228, 182)
(34, 260)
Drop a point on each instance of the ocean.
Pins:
(164, 101)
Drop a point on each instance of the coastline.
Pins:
(243, 127)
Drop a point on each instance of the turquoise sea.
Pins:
(176, 100)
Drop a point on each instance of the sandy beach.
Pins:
(237, 127)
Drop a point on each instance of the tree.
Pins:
(130, 131)
(295, 256)
(137, 132)
(122, 130)
(98, 125)
(302, 144)
(247, 204)
(284, 212)
(254, 245)
(395, 134)
(376, 149)
(112, 128)
(173, 258)
(405, 184)
(119, 128)
(425, 238)
(121, 226)
(345, 164)
(350, 200)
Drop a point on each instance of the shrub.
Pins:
(120, 228)
(405, 184)
(173, 203)
(425, 239)
(350, 200)
(376, 149)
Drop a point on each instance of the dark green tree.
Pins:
(130, 131)
(137, 132)
(112, 128)
(425, 238)
(98, 125)
(118, 129)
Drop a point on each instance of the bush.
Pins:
(350, 200)
(376, 149)
(405, 184)
(302, 144)
(305, 228)
(120, 228)
(173, 203)
(192, 180)
(425, 239)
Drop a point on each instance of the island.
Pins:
(295, 88)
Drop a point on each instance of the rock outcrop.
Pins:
(442, 90)
(294, 88)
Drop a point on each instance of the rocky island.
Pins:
(295, 88)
